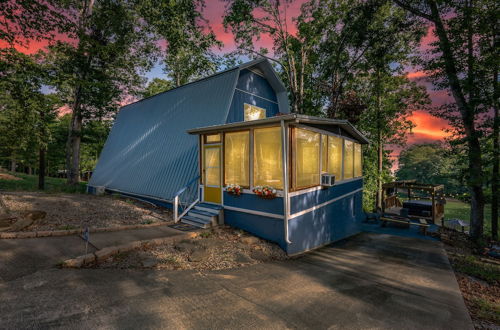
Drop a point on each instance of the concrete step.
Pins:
(207, 209)
(203, 215)
(197, 222)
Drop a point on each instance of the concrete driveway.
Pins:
(371, 281)
(21, 257)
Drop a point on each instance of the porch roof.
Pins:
(315, 122)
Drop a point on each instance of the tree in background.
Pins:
(25, 112)
(249, 20)
(189, 41)
(29, 20)
(389, 96)
(457, 64)
(432, 163)
(156, 86)
(99, 66)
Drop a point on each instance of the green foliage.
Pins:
(29, 19)
(189, 42)
(30, 183)
(157, 86)
(25, 112)
(433, 164)
(471, 266)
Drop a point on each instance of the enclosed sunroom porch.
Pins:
(292, 179)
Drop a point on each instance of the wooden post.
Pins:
(433, 208)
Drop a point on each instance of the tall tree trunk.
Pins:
(13, 165)
(380, 147)
(73, 152)
(495, 177)
(41, 168)
(475, 169)
(75, 130)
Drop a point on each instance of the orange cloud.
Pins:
(428, 126)
(416, 75)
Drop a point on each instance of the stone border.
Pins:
(107, 252)
(52, 233)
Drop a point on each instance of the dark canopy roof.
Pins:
(331, 125)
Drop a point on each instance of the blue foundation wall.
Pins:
(265, 227)
(337, 220)
(252, 89)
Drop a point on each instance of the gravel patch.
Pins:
(74, 211)
(221, 248)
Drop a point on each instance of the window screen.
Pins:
(358, 165)
(236, 158)
(306, 158)
(348, 159)
(268, 164)
(335, 157)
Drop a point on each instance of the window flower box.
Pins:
(265, 192)
(233, 189)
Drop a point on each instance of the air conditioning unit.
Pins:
(327, 180)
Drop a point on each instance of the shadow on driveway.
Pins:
(368, 281)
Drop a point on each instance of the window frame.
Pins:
(293, 167)
(292, 153)
(253, 106)
(250, 158)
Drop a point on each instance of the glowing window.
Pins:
(335, 157)
(212, 138)
(253, 112)
(358, 165)
(212, 166)
(236, 158)
(348, 159)
(324, 153)
(267, 161)
(306, 158)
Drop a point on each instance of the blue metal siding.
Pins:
(262, 95)
(148, 151)
(256, 84)
(253, 202)
(264, 227)
(327, 224)
(305, 201)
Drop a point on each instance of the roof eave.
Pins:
(288, 118)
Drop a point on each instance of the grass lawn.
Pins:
(460, 210)
(30, 183)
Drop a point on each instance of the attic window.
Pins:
(253, 112)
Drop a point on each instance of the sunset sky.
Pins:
(428, 128)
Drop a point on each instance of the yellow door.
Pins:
(212, 174)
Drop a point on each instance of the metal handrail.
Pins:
(177, 202)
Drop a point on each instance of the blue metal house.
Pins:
(226, 149)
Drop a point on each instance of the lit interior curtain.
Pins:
(252, 112)
(358, 168)
(335, 157)
(212, 166)
(348, 159)
(306, 158)
(211, 138)
(236, 158)
(324, 153)
(268, 165)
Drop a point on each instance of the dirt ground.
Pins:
(478, 277)
(74, 211)
(6, 176)
(221, 248)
